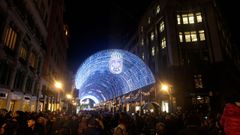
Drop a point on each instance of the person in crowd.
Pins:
(100, 120)
(171, 124)
(160, 128)
(17, 125)
(121, 129)
(74, 125)
(94, 128)
(3, 113)
(230, 119)
(211, 123)
(193, 126)
(33, 127)
(42, 123)
(82, 126)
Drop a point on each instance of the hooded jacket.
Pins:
(230, 119)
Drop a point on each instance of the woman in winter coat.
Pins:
(230, 119)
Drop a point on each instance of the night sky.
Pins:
(98, 25)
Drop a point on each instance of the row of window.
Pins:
(192, 36)
(183, 19)
(153, 48)
(10, 42)
(163, 45)
(33, 60)
(18, 83)
(152, 35)
(185, 36)
(157, 11)
(189, 18)
(5, 77)
(188, 36)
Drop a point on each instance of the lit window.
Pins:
(165, 106)
(141, 28)
(198, 81)
(158, 9)
(201, 35)
(178, 19)
(193, 36)
(149, 20)
(10, 38)
(187, 36)
(180, 36)
(185, 19)
(32, 59)
(153, 50)
(143, 55)
(162, 26)
(190, 36)
(66, 33)
(66, 30)
(152, 36)
(163, 44)
(191, 18)
(188, 18)
(199, 17)
(142, 42)
(23, 53)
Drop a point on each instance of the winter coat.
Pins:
(230, 120)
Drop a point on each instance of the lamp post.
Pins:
(69, 107)
(167, 88)
(59, 87)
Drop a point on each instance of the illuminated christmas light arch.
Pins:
(111, 73)
(91, 97)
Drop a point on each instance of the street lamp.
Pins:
(69, 106)
(59, 86)
(69, 96)
(167, 88)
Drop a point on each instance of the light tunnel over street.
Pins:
(111, 73)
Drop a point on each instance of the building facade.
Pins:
(55, 64)
(187, 46)
(26, 40)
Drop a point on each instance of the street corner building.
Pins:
(188, 45)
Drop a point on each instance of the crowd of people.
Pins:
(122, 123)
